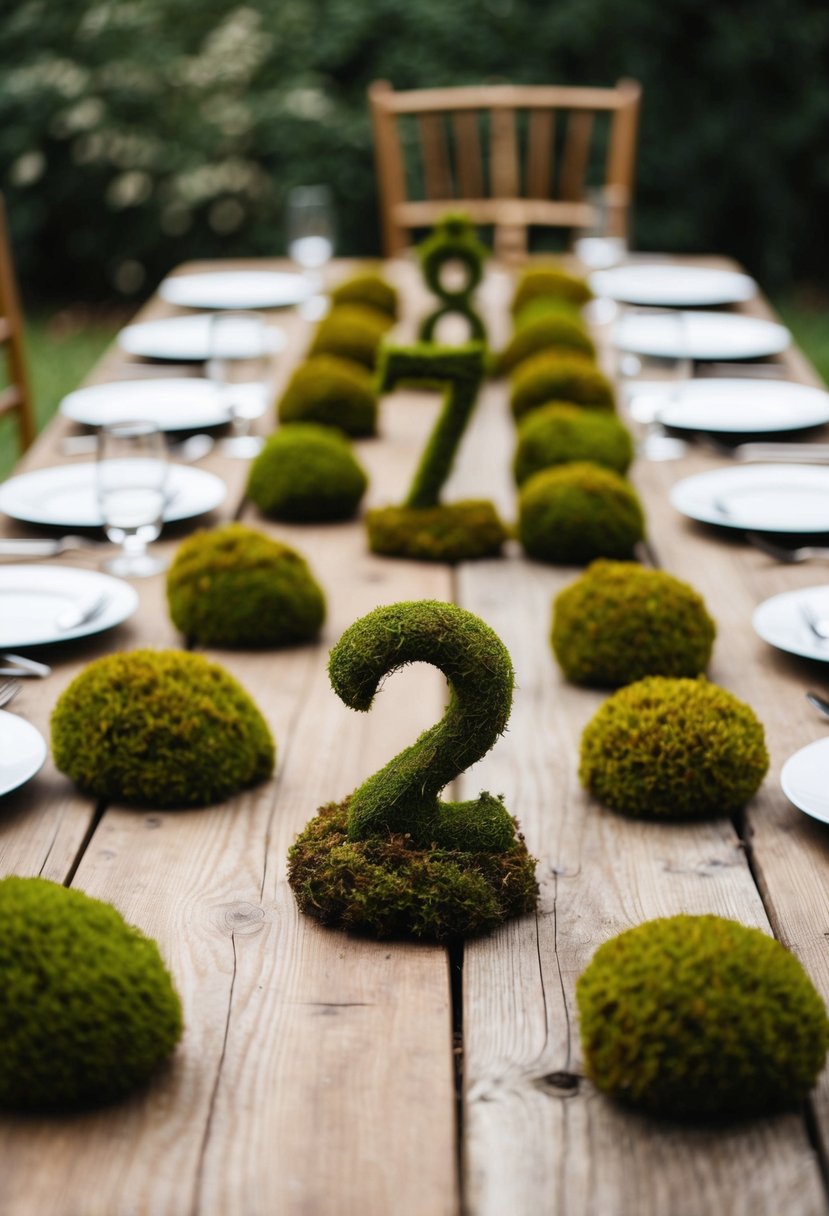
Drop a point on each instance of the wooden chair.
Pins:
(16, 399)
(508, 155)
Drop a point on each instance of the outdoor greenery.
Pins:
(135, 133)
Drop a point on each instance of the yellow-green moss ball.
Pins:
(367, 288)
(559, 433)
(233, 586)
(331, 391)
(698, 1017)
(385, 887)
(572, 513)
(675, 749)
(351, 331)
(89, 1010)
(450, 532)
(307, 473)
(553, 332)
(160, 728)
(620, 622)
(548, 306)
(548, 377)
(550, 279)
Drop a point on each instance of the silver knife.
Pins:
(26, 547)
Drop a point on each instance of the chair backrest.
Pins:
(16, 399)
(508, 155)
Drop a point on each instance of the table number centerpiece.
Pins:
(453, 243)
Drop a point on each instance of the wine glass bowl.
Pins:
(310, 238)
(131, 487)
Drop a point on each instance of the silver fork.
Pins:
(804, 553)
(8, 690)
(817, 622)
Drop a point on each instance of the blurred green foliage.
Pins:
(137, 133)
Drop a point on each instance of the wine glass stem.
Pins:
(134, 546)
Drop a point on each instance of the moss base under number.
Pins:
(387, 888)
(451, 532)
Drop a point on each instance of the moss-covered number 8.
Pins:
(422, 527)
(393, 858)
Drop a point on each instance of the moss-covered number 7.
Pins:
(422, 527)
(392, 858)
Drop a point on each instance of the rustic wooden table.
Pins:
(324, 1075)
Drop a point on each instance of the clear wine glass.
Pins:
(601, 244)
(650, 384)
(132, 492)
(238, 365)
(310, 230)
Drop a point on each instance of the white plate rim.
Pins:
(711, 386)
(817, 745)
(172, 513)
(132, 338)
(680, 489)
(735, 287)
(777, 339)
(72, 405)
(783, 599)
(175, 289)
(123, 601)
(41, 753)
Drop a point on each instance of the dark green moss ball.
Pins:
(387, 888)
(548, 377)
(548, 306)
(160, 728)
(451, 532)
(234, 586)
(620, 622)
(553, 332)
(698, 1017)
(673, 749)
(331, 391)
(351, 331)
(559, 433)
(453, 241)
(369, 289)
(307, 473)
(573, 513)
(89, 1010)
(550, 280)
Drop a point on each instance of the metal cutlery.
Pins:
(742, 371)
(33, 547)
(789, 453)
(19, 665)
(817, 622)
(803, 553)
(81, 614)
(820, 703)
(8, 690)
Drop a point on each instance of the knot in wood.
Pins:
(241, 918)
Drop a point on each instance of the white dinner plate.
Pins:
(186, 339)
(673, 286)
(781, 622)
(734, 406)
(699, 335)
(64, 496)
(236, 289)
(32, 597)
(758, 497)
(173, 405)
(803, 779)
(22, 751)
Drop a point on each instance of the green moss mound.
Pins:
(451, 532)
(559, 433)
(89, 1010)
(160, 728)
(548, 377)
(673, 749)
(307, 473)
(386, 887)
(698, 1017)
(573, 513)
(549, 280)
(620, 622)
(351, 331)
(553, 332)
(369, 289)
(547, 306)
(331, 391)
(233, 586)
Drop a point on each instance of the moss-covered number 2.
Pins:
(422, 527)
(392, 858)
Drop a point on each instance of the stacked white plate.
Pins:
(758, 498)
(187, 340)
(246, 289)
(665, 285)
(699, 335)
